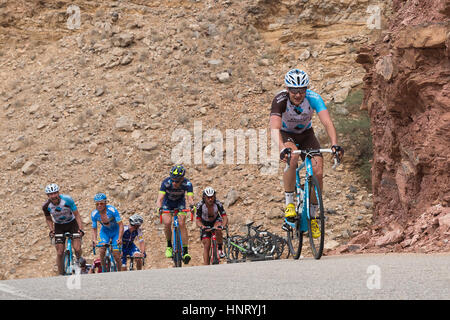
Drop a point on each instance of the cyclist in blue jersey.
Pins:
(112, 228)
(61, 215)
(130, 233)
(291, 116)
(173, 193)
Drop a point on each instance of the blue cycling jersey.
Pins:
(174, 198)
(129, 237)
(113, 219)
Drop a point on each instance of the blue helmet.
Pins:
(177, 172)
(100, 197)
(296, 78)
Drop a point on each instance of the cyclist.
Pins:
(130, 233)
(111, 230)
(291, 115)
(210, 213)
(61, 215)
(173, 193)
(96, 266)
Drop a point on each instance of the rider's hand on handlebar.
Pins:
(284, 154)
(338, 151)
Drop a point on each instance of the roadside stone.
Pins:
(29, 167)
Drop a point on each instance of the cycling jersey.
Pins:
(296, 119)
(110, 229)
(113, 218)
(204, 215)
(128, 246)
(129, 237)
(174, 198)
(61, 213)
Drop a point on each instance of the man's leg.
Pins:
(59, 257)
(184, 236)
(167, 221)
(289, 182)
(206, 248)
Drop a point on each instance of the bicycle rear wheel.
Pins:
(177, 253)
(295, 240)
(316, 227)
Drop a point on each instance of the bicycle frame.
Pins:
(70, 269)
(304, 202)
(109, 255)
(213, 245)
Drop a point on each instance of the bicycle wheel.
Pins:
(295, 239)
(66, 259)
(113, 264)
(237, 247)
(108, 264)
(316, 227)
(177, 253)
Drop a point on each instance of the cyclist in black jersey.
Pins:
(210, 213)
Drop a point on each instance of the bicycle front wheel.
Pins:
(66, 260)
(316, 223)
(214, 253)
(295, 240)
(177, 253)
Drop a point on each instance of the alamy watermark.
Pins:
(214, 147)
(74, 20)
(374, 280)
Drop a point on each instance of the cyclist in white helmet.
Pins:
(61, 215)
(291, 116)
(210, 213)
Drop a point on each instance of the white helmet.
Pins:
(51, 188)
(136, 220)
(296, 78)
(209, 192)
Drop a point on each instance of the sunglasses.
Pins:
(297, 90)
(177, 180)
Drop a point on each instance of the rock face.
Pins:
(407, 94)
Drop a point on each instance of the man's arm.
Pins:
(119, 241)
(275, 127)
(50, 224)
(325, 118)
(160, 199)
(78, 219)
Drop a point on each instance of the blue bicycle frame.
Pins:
(301, 195)
(177, 241)
(69, 267)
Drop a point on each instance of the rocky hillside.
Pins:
(407, 94)
(94, 107)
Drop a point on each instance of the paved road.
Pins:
(392, 276)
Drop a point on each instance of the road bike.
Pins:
(310, 217)
(132, 259)
(257, 245)
(214, 251)
(110, 262)
(68, 260)
(177, 242)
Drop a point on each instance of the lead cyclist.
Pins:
(291, 116)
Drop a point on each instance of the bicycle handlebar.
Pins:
(336, 159)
